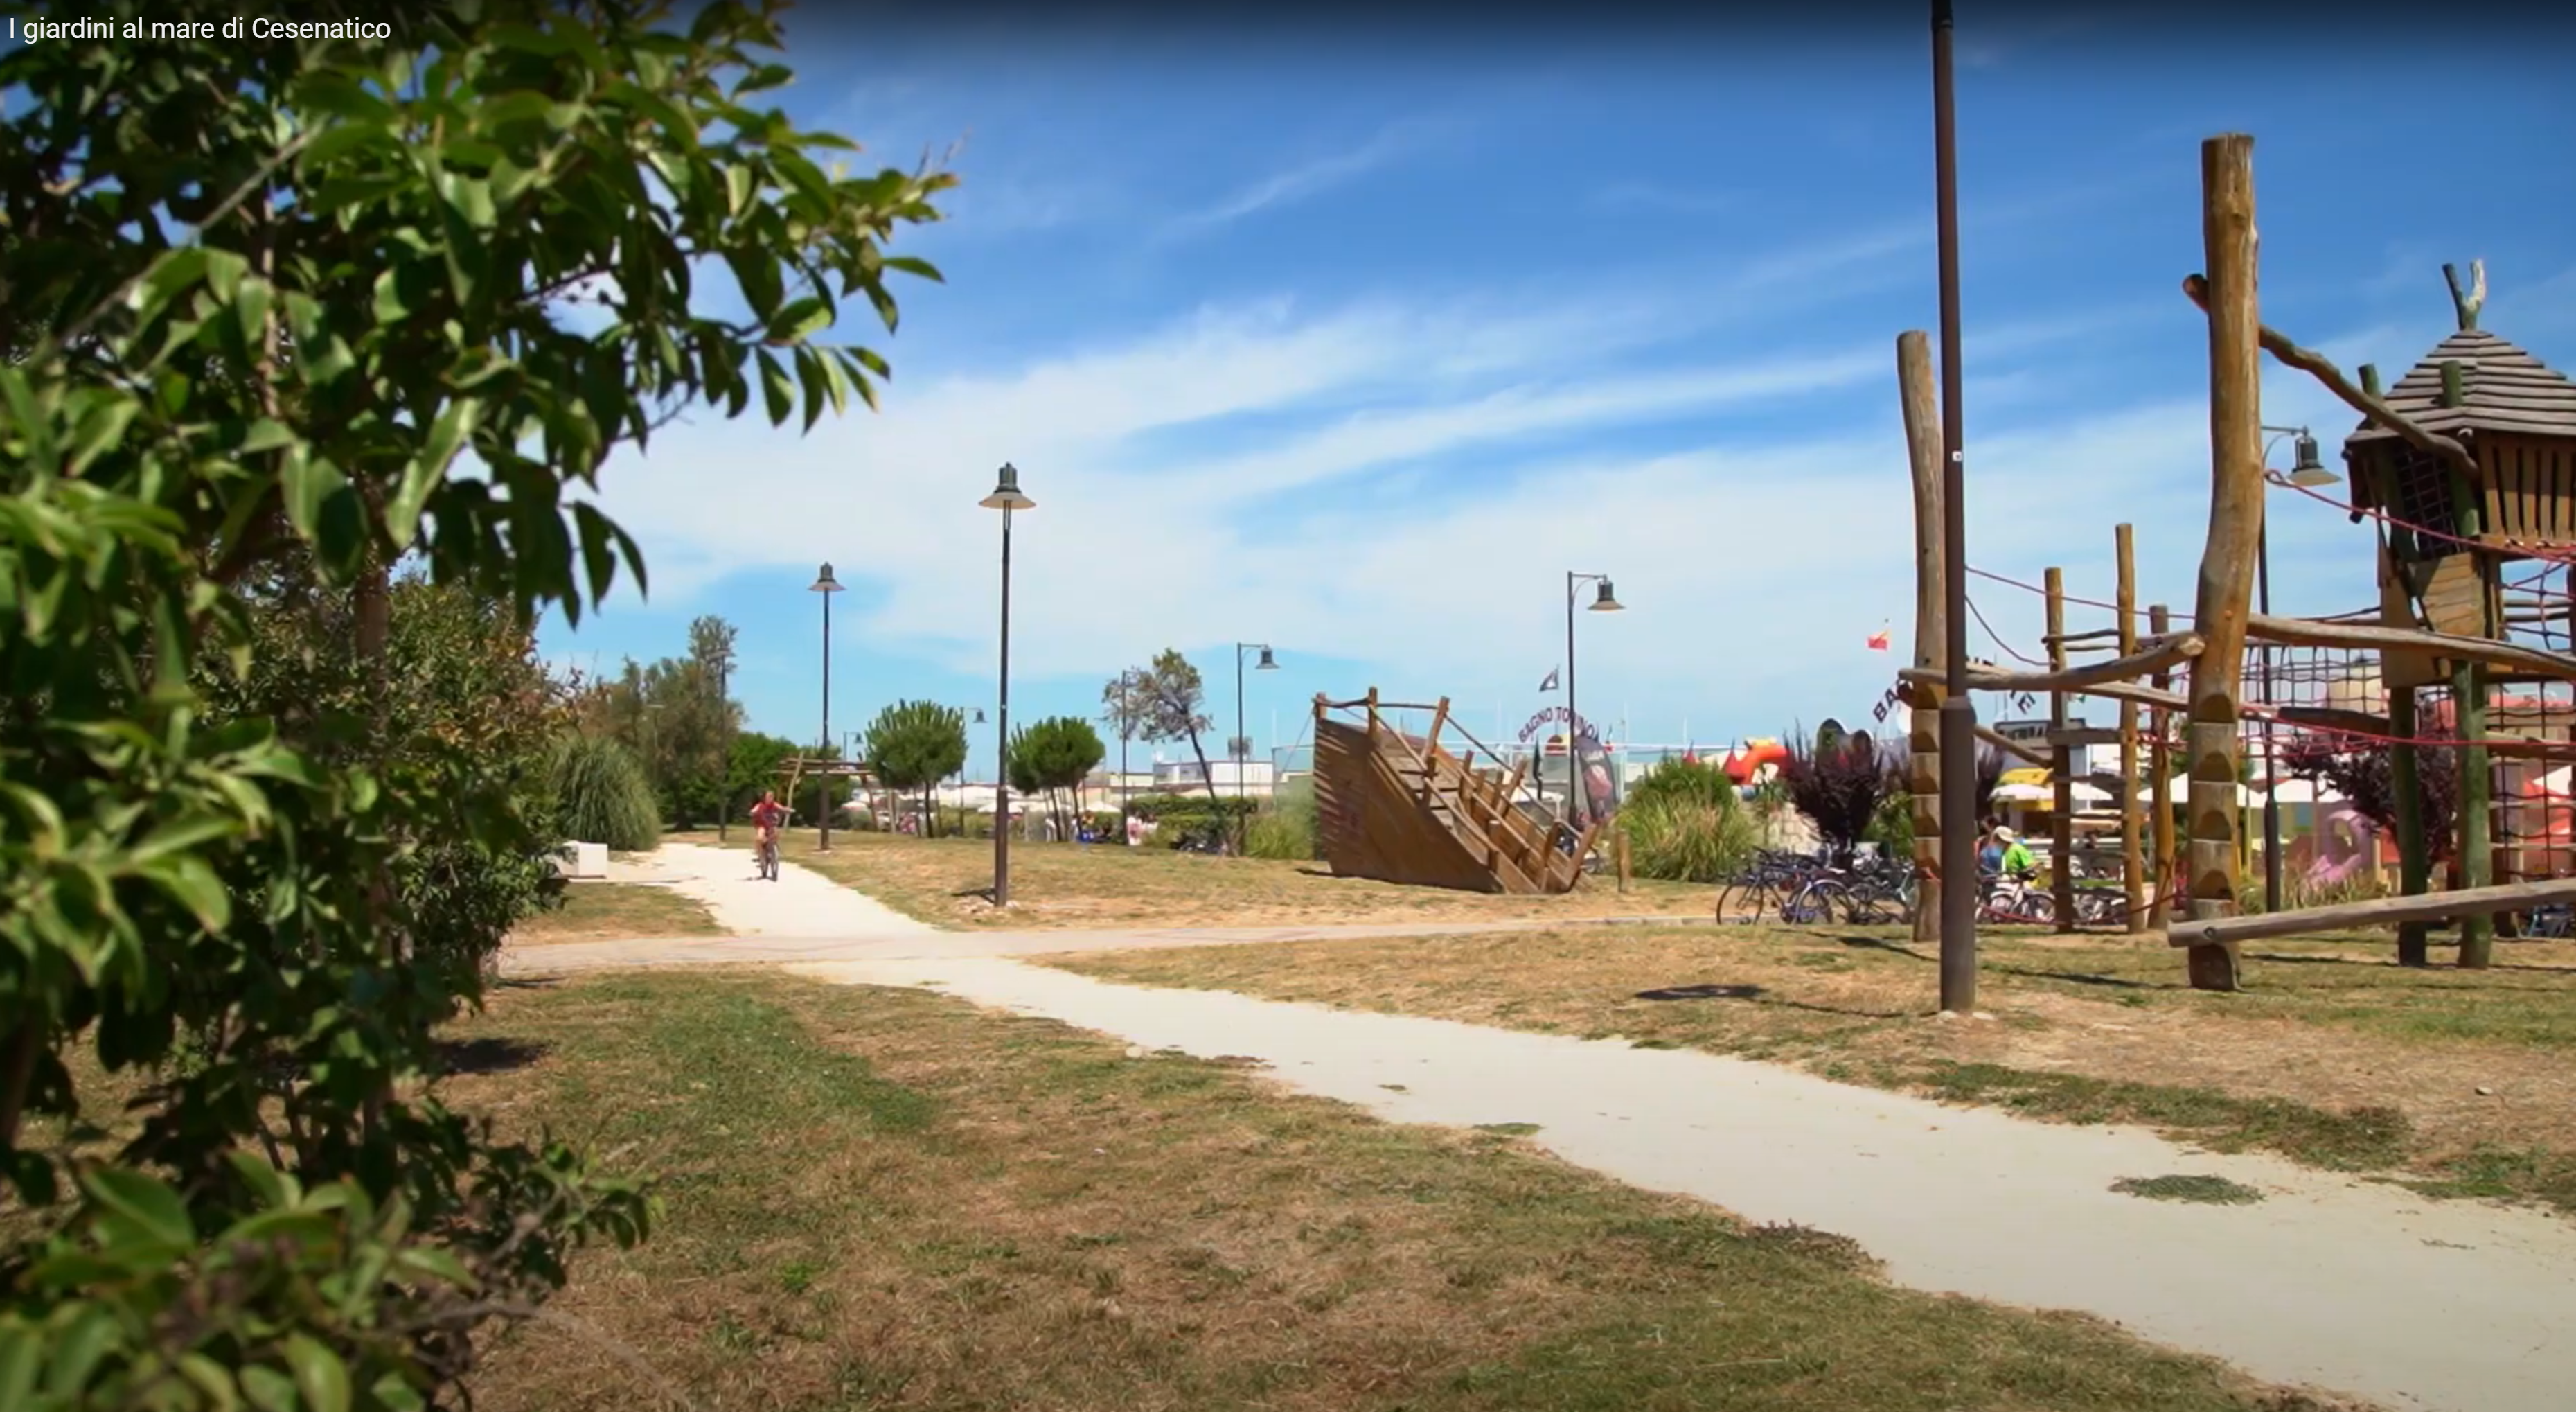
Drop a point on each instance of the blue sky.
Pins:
(1357, 356)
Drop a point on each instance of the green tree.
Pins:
(601, 795)
(1167, 696)
(304, 294)
(913, 745)
(1052, 756)
(752, 766)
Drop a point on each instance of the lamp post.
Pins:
(1242, 751)
(1603, 602)
(1126, 732)
(724, 744)
(1006, 497)
(825, 585)
(1958, 712)
(2306, 471)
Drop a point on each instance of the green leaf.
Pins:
(338, 141)
(447, 436)
(431, 1262)
(777, 388)
(210, 1378)
(174, 272)
(308, 480)
(390, 307)
(756, 272)
(914, 265)
(319, 1374)
(80, 1343)
(22, 1352)
(192, 883)
(101, 427)
(180, 834)
(338, 94)
(139, 1204)
(268, 1389)
(265, 435)
(800, 320)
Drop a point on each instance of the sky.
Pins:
(1355, 340)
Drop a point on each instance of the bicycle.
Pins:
(766, 853)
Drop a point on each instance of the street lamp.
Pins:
(724, 745)
(1006, 497)
(1603, 602)
(2306, 472)
(825, 585)
(1242, 750)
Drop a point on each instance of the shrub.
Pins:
(1686, 837)
(1287, 828)
(603, 796)
(1837, 781)
(1694, 781)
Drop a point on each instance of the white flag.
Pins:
(1551, 683)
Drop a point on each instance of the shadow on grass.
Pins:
(1761, 996)
(492, 1054)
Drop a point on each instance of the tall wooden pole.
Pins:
(2469, 713)
(2061, 765)
(1958, 713)
(1915, 392)
(2414, 859)
(2133, 884)
(2160, 764)
(2235, 527)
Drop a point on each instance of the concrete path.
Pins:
(2332, 1282)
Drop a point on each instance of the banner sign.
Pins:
(1555, 716)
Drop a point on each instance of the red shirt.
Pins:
(768, 815)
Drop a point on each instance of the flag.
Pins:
(1879, 640)
(1550, 684)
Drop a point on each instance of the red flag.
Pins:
(1879, 640)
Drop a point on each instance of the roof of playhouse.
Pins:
(2503, 389)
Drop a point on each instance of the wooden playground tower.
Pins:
(2469, 464)
(1408, 809)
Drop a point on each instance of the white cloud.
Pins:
(1742, 561)
(1307, 179)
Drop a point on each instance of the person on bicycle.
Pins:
(2017, 861)
(766, 817)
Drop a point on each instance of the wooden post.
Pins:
(1922, 408)
(2469, 717)
(1619, 852)
(2235, 529)
(2160, 763)
(2061, 765)
(2133, 867)
(2414, 858)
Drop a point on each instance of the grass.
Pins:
(882, 1199)
(607, 911)
(2458, 1081)
(2203, 1190)
(947, 882)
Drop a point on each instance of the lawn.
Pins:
(948, 882)
(2459, 1081)
(607, 911)
(888, 1199)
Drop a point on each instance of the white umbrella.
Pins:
(2080, 793)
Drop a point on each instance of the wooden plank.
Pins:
(2020, 748)
(2073, 736)
(2158, 652)
(2312, 632)
(2376, 912)
(2400, 667)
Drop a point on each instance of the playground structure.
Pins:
(1403, 808)
(2467, 471)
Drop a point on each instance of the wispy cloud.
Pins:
(1308, 179)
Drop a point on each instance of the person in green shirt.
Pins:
(2018, 861)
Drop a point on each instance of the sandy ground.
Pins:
(2357, 1287)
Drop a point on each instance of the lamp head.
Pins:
(1267, 663)
(1605, 601)
(824, 582)
(2305, 467)
(1006, 492)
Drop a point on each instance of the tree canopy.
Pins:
(302, 299)
(1055, 755)
(1166, 697)
(913, 745)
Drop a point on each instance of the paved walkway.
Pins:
(2333, 1282)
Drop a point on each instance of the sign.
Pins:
(1554, 716)
(2079, 759)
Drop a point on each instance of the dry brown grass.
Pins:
(948, 882)
(610, 911)
(2334, 1056)
(886, 1199)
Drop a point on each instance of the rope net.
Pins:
(2296, 758)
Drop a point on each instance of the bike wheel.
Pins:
(1814, 904)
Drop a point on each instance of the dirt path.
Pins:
(2352, 1286)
